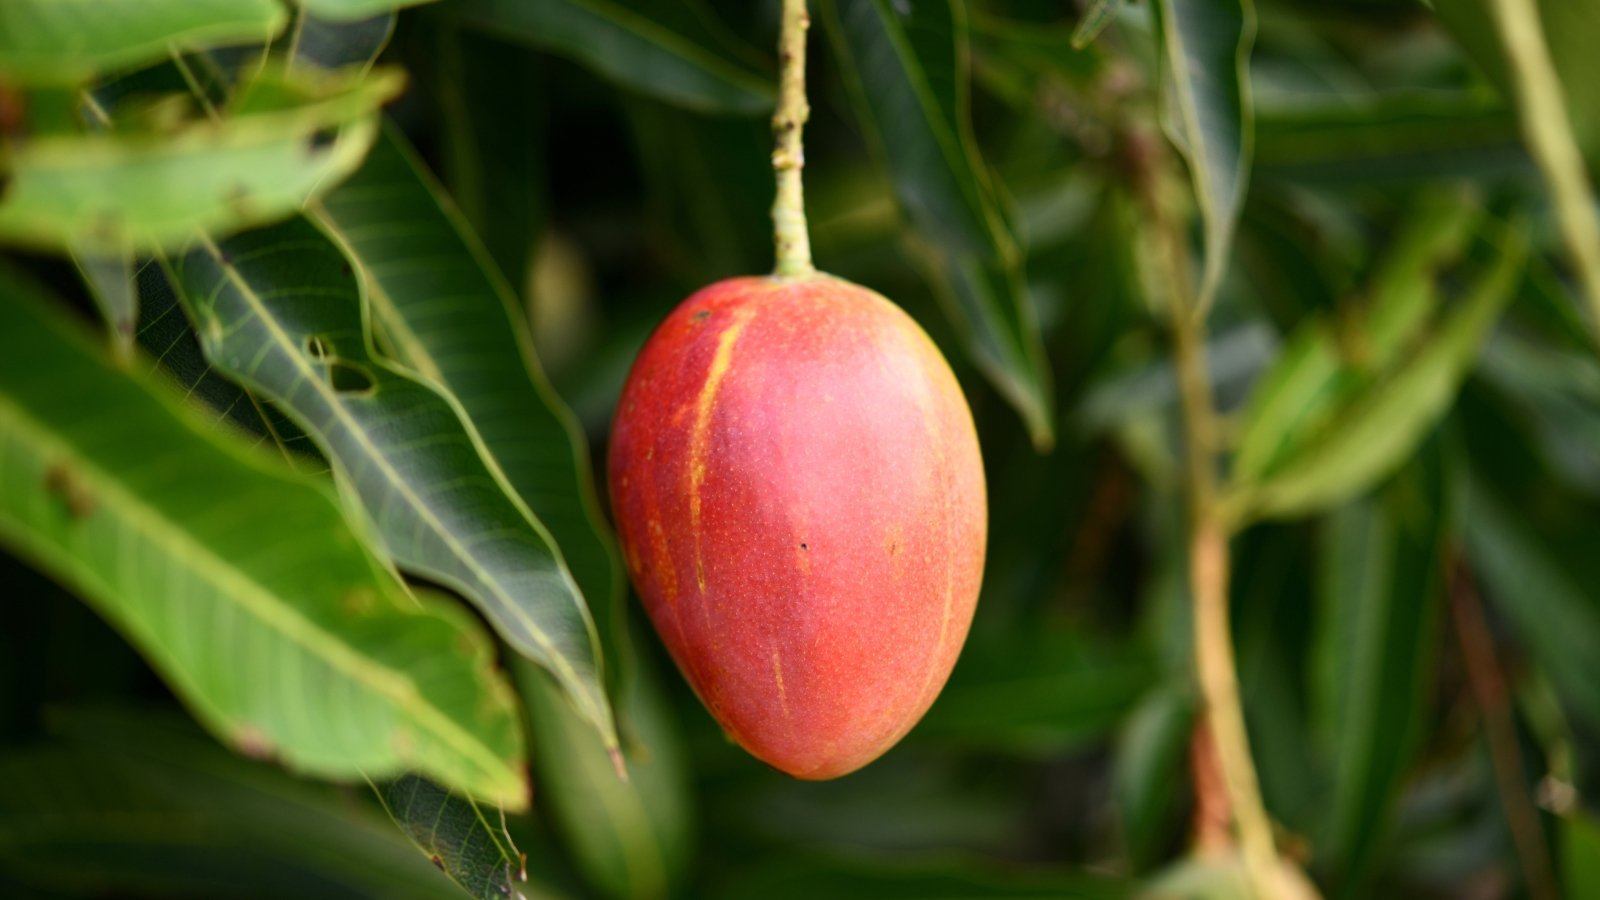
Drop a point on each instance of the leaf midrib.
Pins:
(229, 582)
(426, 512)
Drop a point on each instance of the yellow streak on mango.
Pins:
(777, 675)
(721, 361)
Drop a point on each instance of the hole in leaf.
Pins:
(323, 138)
(348, 378)
(317, 348)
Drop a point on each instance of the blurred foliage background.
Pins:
(277, 276)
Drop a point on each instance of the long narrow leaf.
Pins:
(1206, 48)
(906, 65)
(262, 612)
(281, 311)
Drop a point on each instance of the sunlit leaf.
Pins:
(632, 45)
(346, 10)
(1207, 110)
(118, 190)
(111, 283)
(1372, 433)
(905, 65)
(65, 41)
(281, 311)
(1324, 362)
(263, 613)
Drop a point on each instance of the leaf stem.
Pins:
(1223, 720)
(791, 241)
(1550, 138)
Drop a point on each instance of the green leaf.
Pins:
(1095, 19)
(263, 612)
(1313, 376)
(1541, 589)
(1393, 136)
(628, 837)
(496, 165)
(1367, 437)
(906, 67)
(1037, 696)
(67, 41)
(1150, 777)
(1570, 30)
(147, 189)
(281, 311)
(803, 876)
(1207, 111)
(123, 804)
(457, 835)
(347, 10)
(1379, 582)
(111, 283)
(631, 839)
(1580, 855)
(632, 45)
(411, 248)
(335, 43)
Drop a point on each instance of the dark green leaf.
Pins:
(1539, 589)
(1206, 103)
(337, 44)
(1390, 137)
(281, 311)
(412, 249)
(804, 877)
(1150, 777)
(1379, 586)
(143, 190)
(263, 612)
(1037, 696)
(631, 839)
(906, 67)
(633, 46)
(135, 805)
(66, 41)
(462, 839)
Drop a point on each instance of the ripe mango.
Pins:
(801, 504)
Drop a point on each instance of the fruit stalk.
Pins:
(792, 243)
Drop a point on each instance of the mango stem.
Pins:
(792, 243)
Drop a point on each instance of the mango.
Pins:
(800, 498)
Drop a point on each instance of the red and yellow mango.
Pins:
(801, 503)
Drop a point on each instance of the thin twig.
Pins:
(1549, 135)
(1488, 684)
(1208, 542)
(792, 242)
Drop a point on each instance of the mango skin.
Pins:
(801, 505)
